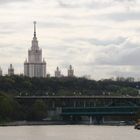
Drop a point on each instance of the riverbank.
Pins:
(29, 123)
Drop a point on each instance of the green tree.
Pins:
(9, 108)
(38, 110)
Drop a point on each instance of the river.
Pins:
(69, 132)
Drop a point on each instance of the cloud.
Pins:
(123, 16)
(105, 42)
(54, 24)
(93, 4)
(126, 71)
(11, 1)
(125, 1)
(126, 54)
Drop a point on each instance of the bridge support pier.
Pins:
(53, 104)
(103, 120)
(84, 104)
(74, 104)
(99, 120)
(90, 120)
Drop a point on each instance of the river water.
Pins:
(69, 132)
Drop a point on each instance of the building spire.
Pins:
(34, 28)
(34, 41)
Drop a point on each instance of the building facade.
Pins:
(58, 73)
(0, 71)
(10, 70)
(70, 71)
(34, 66)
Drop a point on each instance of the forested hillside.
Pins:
(20, 85)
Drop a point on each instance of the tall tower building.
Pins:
(10, 70)
(0, 71)
(57, 72)
(35, 66)
(70, 71)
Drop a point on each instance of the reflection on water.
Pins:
(69, 132)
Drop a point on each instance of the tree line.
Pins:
(20, 85)
(11, 110)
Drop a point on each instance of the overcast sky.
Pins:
(100, 38)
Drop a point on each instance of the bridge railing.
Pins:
(101, 110)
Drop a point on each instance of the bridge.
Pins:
(77, 97)
(95, 107)
(82, 101)
(99, 111)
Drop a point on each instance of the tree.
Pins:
(10, 109)
(38, 110)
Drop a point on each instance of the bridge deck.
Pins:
(77, 97)
(127, 110)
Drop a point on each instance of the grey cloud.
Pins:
(6, 32)
(115, 41)
(5, 46)
(11, 1)
(65, 5)
(11, 27)
(86, 4)
(131, 58)
(125, 73)
(122, 16)
(119, 16)
(92, 4)
(124, 55)
(99, 42)
(54, 24)
(125, 0)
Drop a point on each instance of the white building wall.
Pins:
(26, 69)
(35, 66)
(0, 72)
